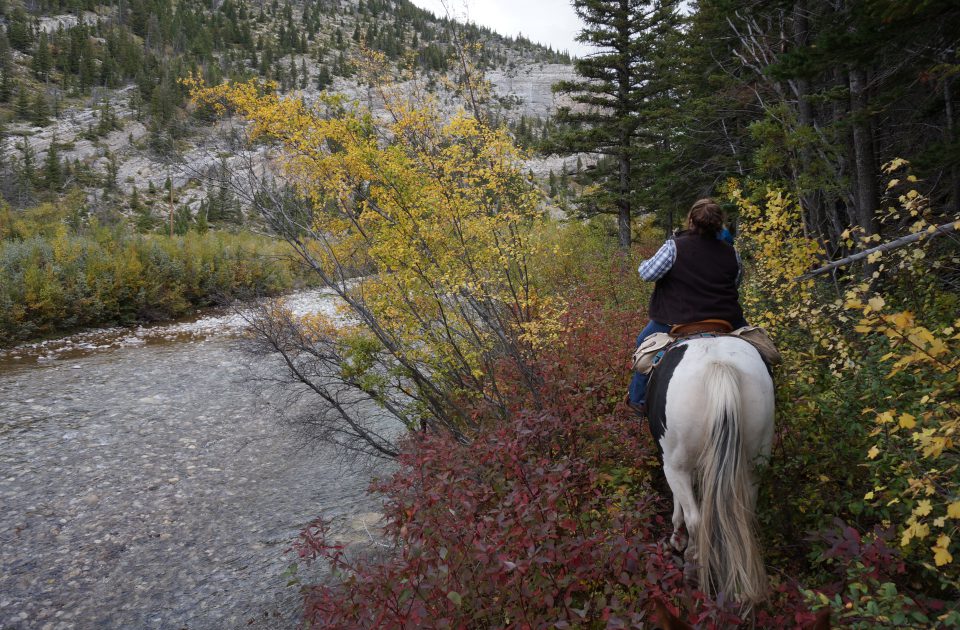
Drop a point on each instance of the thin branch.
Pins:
(932, 231)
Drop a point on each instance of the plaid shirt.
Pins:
(659, 264)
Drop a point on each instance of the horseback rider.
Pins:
(697, 275)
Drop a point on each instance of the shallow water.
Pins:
(146, 484)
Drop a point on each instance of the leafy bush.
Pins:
(867, 405)
(53, 283)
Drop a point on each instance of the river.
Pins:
(145, 484)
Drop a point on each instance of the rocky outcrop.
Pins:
(530, 86)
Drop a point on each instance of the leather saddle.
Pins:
(720, 326)
(648, 354)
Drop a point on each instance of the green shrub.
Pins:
(56, 281)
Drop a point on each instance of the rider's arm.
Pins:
(659, 264)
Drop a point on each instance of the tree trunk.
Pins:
(867, 199)
(623, 105)
(811, 198)
(951, 137)
(623, 203)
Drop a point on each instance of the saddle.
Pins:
(721, 326)
(649, 354)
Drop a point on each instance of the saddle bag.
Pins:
(644, 357)
(759, 339)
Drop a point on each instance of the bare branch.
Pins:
(945, 228)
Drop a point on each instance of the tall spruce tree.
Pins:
(52, 168)
(6, 69)
(620, 97)
(42, 59)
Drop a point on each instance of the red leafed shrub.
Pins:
(544, 521)
(519, 528)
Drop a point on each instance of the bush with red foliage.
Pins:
(545, 521)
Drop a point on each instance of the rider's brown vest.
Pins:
(701, 284)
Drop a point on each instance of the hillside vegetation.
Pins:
(98, 145)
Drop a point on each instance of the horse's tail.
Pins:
(727, 546)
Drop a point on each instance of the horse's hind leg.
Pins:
(684, 505)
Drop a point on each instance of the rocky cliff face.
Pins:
(521, 83)
(531, 86)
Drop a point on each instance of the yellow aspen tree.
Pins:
(421, 222)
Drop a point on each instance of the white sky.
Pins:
(550, 22)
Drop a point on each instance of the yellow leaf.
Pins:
(876, 303)
(873, 452)
(953, 510)
(941, 554)
(885, 418)
(923, 508)
(868, 496)
(907, 421)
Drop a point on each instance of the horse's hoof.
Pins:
(690, 574)
(678, 543)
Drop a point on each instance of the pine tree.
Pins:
(40, 114)
(42, 59)
(22, 106)
(135, 204)
(107, 119)
(19, 31)
(6, 69)
(25, 172)
(88, 69)
(110, 177)
(623, 89)
(52, 168)
(323, 77)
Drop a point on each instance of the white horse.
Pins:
(710, 404)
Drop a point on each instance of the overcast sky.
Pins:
(551, 22)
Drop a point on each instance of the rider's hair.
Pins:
(705, 217)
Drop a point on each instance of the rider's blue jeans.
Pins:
(638, 384)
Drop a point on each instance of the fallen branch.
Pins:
(933, 230)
